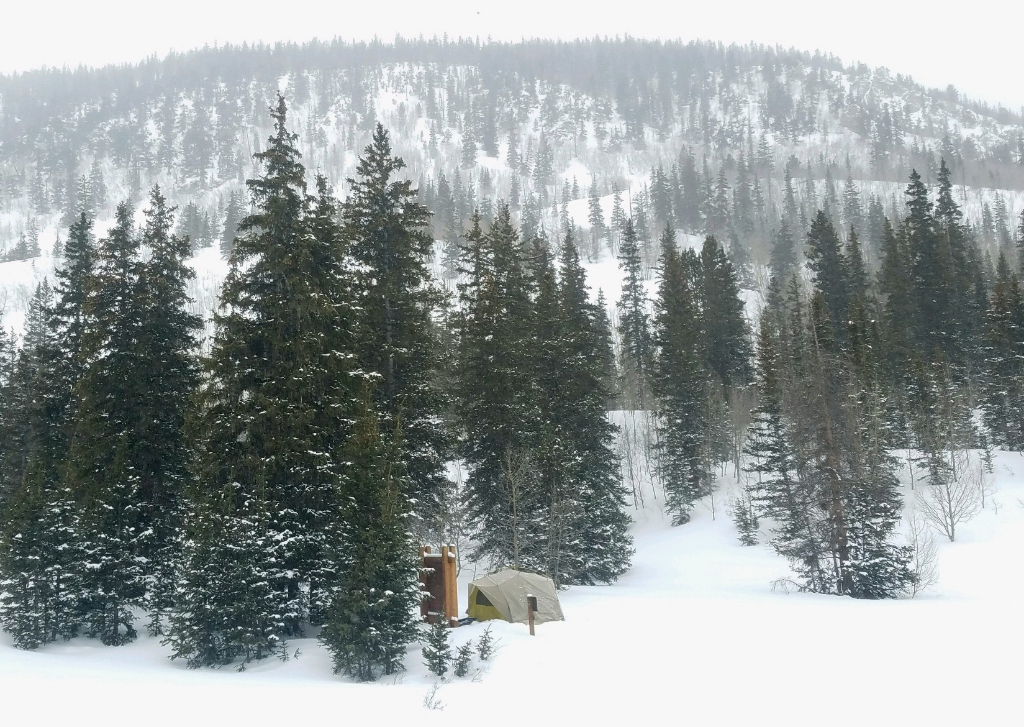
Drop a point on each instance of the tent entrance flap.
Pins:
(480, 607)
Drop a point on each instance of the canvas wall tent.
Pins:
(503, 595)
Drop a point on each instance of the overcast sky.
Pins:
(974, 46)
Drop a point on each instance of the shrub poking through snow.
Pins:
(485, 647)
(463, 659)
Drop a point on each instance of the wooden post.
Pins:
(451, 586)
(531, 606)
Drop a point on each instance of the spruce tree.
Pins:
(167, 345)
(829, 266)
(783, 261)
(272, 414)
(385, 227)
(437, 652)
(41, 554)
(680, 386)
(596, 219)
(1002, 400)
(498, 400)
(71, 315)
(370, 621)
(105, 452)
(634, 322)
(599, 547)
(726, 343)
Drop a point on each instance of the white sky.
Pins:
(974, 46)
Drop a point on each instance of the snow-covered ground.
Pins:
(693, 633)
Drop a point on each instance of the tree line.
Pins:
(280, 480)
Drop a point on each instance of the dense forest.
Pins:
(820, 278)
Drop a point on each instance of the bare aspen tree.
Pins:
(952, 496)
(518, 479)
(924, 554)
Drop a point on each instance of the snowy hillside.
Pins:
(545, 127)
(694, 628)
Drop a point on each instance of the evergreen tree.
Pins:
(829, 266)
(385, 228)
(232, 216)
(596, 219)
(167, 345)
(41, 554)
(498, 402)
(726, 343)
(105, 453)
(273, 412)
(634, 322)
(779, 493)
(596, 544)
(1003, 383)
(680, 386)
(783, 261)
(437, 652)
(370, 622)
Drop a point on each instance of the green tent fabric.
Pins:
(503, 595)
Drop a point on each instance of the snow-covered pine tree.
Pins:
(437, 652)
(167, 343)
(13, 419)
(634, 323)
(498, 401)
(229, 601)
(273, 413)
(41, 555)
(600, 549)
(386, 230)
(371, 620)
(105, 450)
(595, 216)
(680, 384)
(1002, 399)
(232, 216)
(71, 317)
(880, 568)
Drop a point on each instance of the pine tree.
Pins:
(370, 621)
(634, 322)
(1002, 398)
(596, 219)
(273, 412)
(829, 266)
(726, 343)
(498, 401)
(229, 604)
(105, 451)
(13, 423)
(783, 261)
(778, 492)
(596, 545)
(463, 659)
(41, 554)
(167, 344)
(385, 227)
(680, 386)
(232, 216)
(437, 652)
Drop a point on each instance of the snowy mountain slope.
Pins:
(192, 122)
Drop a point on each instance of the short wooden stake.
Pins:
(531, 606)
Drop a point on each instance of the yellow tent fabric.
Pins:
(480, 606)
(502, 595)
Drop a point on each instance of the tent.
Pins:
(503, 595)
